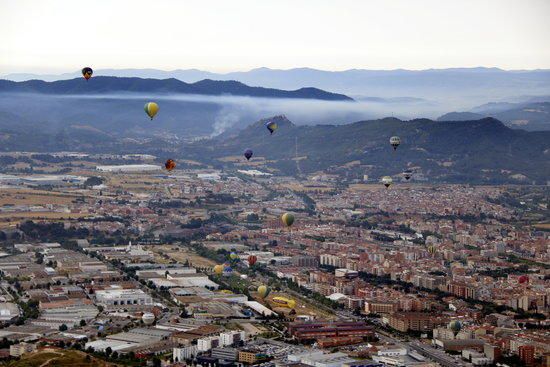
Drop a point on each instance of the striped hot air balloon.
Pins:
(271, 126)
(395, 141)
(252, 260)
(287, 219)
(263, 291)
(151, 109)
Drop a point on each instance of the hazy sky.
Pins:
(230, 35)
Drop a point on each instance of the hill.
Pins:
(527, 116)
(460, 116)
(106, 85)
(463, 151)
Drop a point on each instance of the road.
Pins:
(437, 355)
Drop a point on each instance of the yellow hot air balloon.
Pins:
(151, 109)
(284, 302)
(263, 291)
(287, 219)
(218, 269)
(432, 249)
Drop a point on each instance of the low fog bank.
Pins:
(193, 115)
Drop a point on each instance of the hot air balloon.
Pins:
(523, 279)
(233, 255)
(432, 249)
(455, 326)
(271, 126)
(252, 260)
(227, 269)
(287, 219)
(387, 181)
(407, 174)
(395, 141)
(244, 276)
(263, 291)
(151, 109)
(248, 154)
(148, 318)
(87, 72)
(170, 164)
(218, 269)
(282, 301)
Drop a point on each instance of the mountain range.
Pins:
(527, 116)
(482, 150)
(461, 86)
(105, 85)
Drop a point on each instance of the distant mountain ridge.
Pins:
(431, 83)
(462, 151)
(528, 116)
(106, 84)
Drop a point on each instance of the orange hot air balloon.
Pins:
(170, 164)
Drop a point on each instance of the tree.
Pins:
(63, 327)
(108, 351)
(156, 362)
(93, 181)
(82, 322)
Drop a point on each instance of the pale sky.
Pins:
(46, 36)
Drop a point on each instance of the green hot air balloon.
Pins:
(151, 109)
(263, 291)
(287, 219)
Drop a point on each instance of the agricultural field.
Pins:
(181, 255)
(57, 358)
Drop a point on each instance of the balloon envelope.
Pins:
(252, 260)
(455, 326)
(218, 269)
(170, 164)
(248, 154)
(287, 219)
(151, 109)
(87, 72)
(263, 291)
(523, 279)
(387, 181)
(233, 256)
(395, 141)
(271, 126)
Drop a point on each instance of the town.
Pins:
(111, 260)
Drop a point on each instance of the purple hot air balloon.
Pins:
(248, 154)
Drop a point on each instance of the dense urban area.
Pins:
(111, 260)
